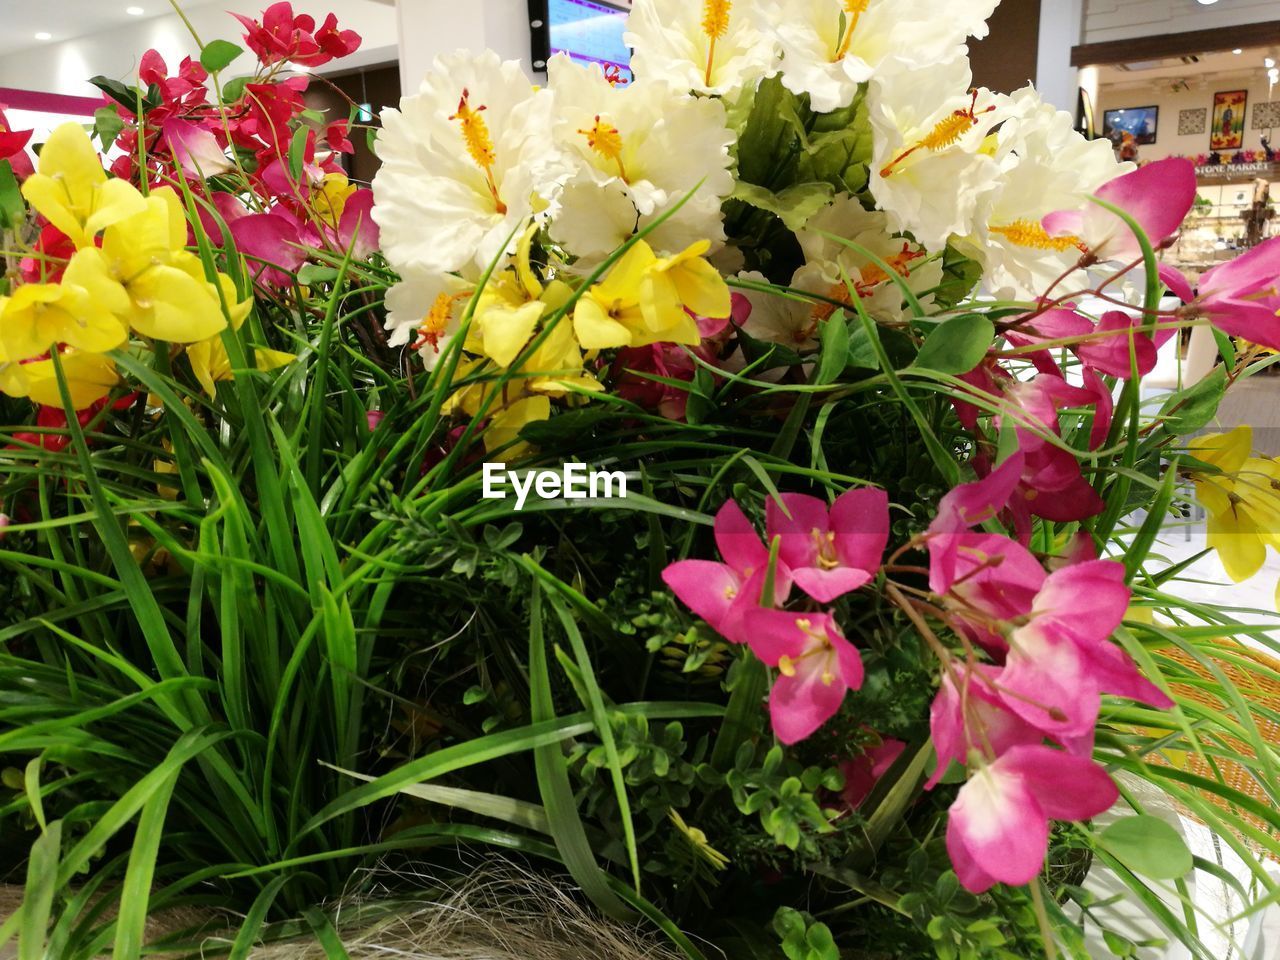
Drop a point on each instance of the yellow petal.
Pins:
(209, 362)
(1227, 451)
(702, 289)
(1238, 543)
(505, 426)
(505, 331)
(266, 359)
(172, 305)
(596, 330)
(89, 376)
(114, 201)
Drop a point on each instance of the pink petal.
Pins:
(272, 240)
(1066, 787)
(357, 230)
(799, 546)
(1251, 320)
(1000, 827)
(1110, 352)
(863, 772)
(1048, 682)
(738, 542)
(800, 704)
(1115, 673)
(707, 588)
(860, 520)
(749, 598)
(948, 721)
(1246, 273)
(1158, 196)
(774, 634)
(972, 877)
(972, 504)
(826, 585)
(1104, 408)
(1176, 282)
(1085, 601)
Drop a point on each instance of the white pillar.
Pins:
(429, 28)
(1061, 27)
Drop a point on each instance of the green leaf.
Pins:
(313, 273)
(42, 884)
(794, 205)
(1149, 846)
(218, 55)
(835, 348)
(234, 89)
(126, 96)
(12, 210)
(297, 152)
(107, 125)
(958, 345)
(1192, 409)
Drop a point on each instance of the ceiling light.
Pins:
(42, 35)
(1268, 62)
(134, 11)
(1237, 51)
(1205, 3)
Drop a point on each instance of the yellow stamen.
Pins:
(436, 322)
(945, 133)
(826, 543)
(1028, 233)
(715, 24)
(606, 140)
(475, 133)
(854, 9)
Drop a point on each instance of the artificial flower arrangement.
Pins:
(880, 630)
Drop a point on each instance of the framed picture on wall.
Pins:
(1141, 123)
(1227, 130)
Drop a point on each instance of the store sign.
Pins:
(1232, 171)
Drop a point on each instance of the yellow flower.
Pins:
(166, 295)
(698, 841)
(209, 359)
(89, 376)
(77, 311)
(1242, 500)
(643, 300)
(329, 198)
(73, 192)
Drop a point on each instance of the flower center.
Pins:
(475, 133)
(945, 133)
(826, 545)
(715, 24)
(435, 323)
(853, 11)
(1028, 233)
(820, 646)
(606, 140)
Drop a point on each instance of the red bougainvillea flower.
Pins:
(54, 249)
(1157, 196)
(831, 552)
(666, 362)
(13, 144)
(55, 419)
(817, 666)
(336, 137)
(722, 593)
(998, 831)
(282, 36)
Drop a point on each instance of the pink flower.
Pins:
(1061, 660)
(336, 137)
(998, 831)
(1241, 297)
(721, 593)
(963, 508)
(830, 553)
(195, 149)
(1158, 196)
(992, 580)
(13, 147)
(271, 242)
(863, 772)
(817, 666)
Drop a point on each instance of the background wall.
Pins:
(1168, 142)
(1123, 19)
(1007, 59)
(64, 67)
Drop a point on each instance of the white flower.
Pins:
(465, 162)
(830, 261)
(639, 149)
(829, 47)
(929, 171)
(423, 311)
(708, 46)
(1045, 166)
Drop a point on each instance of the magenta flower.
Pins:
(863, 772)
(282, 36)
(817, 666)
(721, 593)
(967, 506)
(830, 553)
(998, 831)
(987, 580)
(1158, 196)
(1242, 296)
(1060, 658)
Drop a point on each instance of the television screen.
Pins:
(590, 33)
